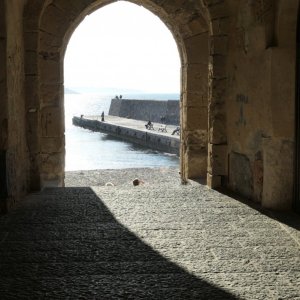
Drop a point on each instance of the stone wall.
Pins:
(260, 102)
(3, 110)
(14, 158)
(146, 110)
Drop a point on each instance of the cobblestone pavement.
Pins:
(155, 241)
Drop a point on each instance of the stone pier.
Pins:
(134, 131)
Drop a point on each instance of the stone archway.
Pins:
(200, 33)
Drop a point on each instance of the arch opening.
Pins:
(125, 49)
(47, 35)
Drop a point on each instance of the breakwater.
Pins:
(146, 110)
(132, 133)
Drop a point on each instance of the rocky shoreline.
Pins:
(122, 177)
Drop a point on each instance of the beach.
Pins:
(122, 177)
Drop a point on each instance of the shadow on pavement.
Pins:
(65, 243)
(288, 218)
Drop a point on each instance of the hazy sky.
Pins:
(123, 45)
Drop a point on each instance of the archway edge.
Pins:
(187, 22)
(59, 19)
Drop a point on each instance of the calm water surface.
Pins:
(87, 150)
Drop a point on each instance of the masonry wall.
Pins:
(146, 110)
(3, 110)
(14, 158)
(260, 103)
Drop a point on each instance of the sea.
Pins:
(87, 150)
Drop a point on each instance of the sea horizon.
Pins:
(112, 92)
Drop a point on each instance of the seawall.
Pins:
(146, 110)
(150, 139)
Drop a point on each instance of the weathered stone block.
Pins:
(217, 9)
(2, 20)
(2, 59)
(31, 41)
(216, 109)
(172, 6)
(31, 91)
(220, 26)
(278, 175)
(52, 145)
(217, 67)
(217, 159)
(258, 176)
(197, 78)
(195, 163)
(196, 118)
(32, 131)
(197, 48)
(54, 21)
(213, 181)
(217, 130)
(51, 165)
(197, 99)
(49, 42)
(31, 63)
(196, 137)
(81, 5)
(72, 10)
(240, 175)
(219, 45)
(197, 26)
(52, 94)
(218, 90)
(193, 27)
(52, 122)
(50, 69)
(34, 172)
(212, 2)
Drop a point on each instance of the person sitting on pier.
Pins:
(149, 125)
(176, 130)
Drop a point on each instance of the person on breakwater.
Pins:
(102, 116)
(149, 125)
(177, 130)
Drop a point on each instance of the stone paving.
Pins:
(155, 241)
